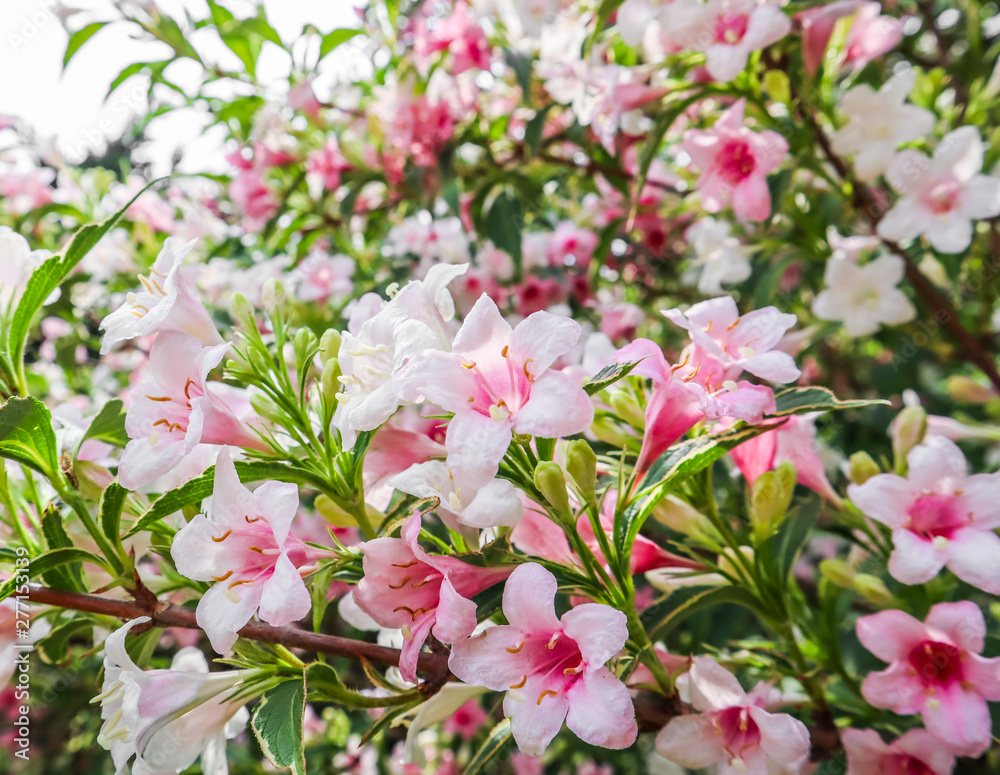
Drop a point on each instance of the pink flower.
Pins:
(467, 720)
(870, 34)
(552, 669)
(176, 411)
(302, 97)
(739, 342)
(728, 31)
(735, 162)
(939, 516)
(733, 730)
(497, 381)
(571, 246)
(406, 588)
(458, 34)
(935, 670)
(23, 192)
(248, 549)
(165, 303)
(321, 277)
(941, 197)
(793, 442)
(918, 751)
(323, 168)
(253, 198)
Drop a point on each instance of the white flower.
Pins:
(17, 262)
(719, 257)
(865, 296)
(941, 197)
(167, 718)
(878, 123)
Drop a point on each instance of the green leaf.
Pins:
(277, 722)
(109, 425)
(55, 558)
(112, 502)
(498, 739)
(70, 575)
(78, 38)
(607, 376)
(814, 399)
(134, 69)
(196, 490)
(55, 646)
(661, 617)
(333, 39)
(534, 129)
(325, 686)
(504, 223)
(521, 65)
(26, 435)
(781, 550)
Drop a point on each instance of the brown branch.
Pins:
(432, 666)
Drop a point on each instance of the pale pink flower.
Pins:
(177, 410)
(467, 720)
(247, 548)
(167, 718)
(939, 515)
(165, 302)
(406, 588)
(149, 208)
(302, 97)
(17, 263)
(870, 35)
(941, 197)
(323, 168)
(23, 192)
(571, 245)
(459, 34)
(405, 440)
(918, 752)
(321, 277)
(739, 342)
(551, 669)
(935, 669)
(498, 380)
(734, 730)
(734, 162)
(728, 31)
(253, 198)
(8, 639)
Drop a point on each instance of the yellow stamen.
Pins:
(546, 693)
(517, 649)
(401, 584)
(223, 578)
(521, 684)
(223, 537)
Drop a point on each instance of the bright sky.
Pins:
(70, 106)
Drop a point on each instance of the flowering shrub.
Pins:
(551, 386)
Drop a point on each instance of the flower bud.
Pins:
(874, 590)
(968, 390)
(241, 310)
(333, 513)
(607, 430)
(266, 408)
(838, 572)
(273, 296)
(681, 517)
(91, 478)
(772, 495)
(329, 344)
(304, 345)
(908, 430)
(776, 84)
(581, 465)
(626, 407)
(551, 483)
(862, 468)
(329, 380)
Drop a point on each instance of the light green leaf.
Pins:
(336, 38)
(26, 435)
(78, 38)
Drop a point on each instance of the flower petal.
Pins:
(599, 630)
(601, 711)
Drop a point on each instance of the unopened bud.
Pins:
(776, 84)
(333, 513)
(838, 572)
(681, 517)
(968, 390)
(626, 407)
(874, 590)
(862, 468)
(266, 408)
(303, 344)
(241, 310)
(581, 465)
(91, 478)
(607, 430)
(329, 382)
(908, 430)
(551, 483)
(273, 296)
(772, 495)
(329, 344)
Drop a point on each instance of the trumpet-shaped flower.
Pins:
(864, 296)
(918, 751)
(552, 669)
(870, 34)
(718, 256)
(164, 303)
(739, 342)
(406, 588)
(246, 547)
(375, 348)
(734, 730)
(878, 123)
(734, 162)
(497, 380)
(939, 515)
(170, 415)
(935, 669)
(941, 197)
(166, 719)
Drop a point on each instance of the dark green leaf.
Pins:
(814, 399)
(504, 223)
(277, 722)
(78, 38)
(109, 425)
(70, 575)
(607, 376)
(112, 502)
(534, 129)
(49, 560)
(660, 617)
(26, 435)
(521, 65)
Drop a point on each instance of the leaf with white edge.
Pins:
(50, 560)
(607, 376)
(334, 39)
(815, 399)
(277, 722)
(499, 738)
(109, 425)
(661, 617)
(27, 436)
